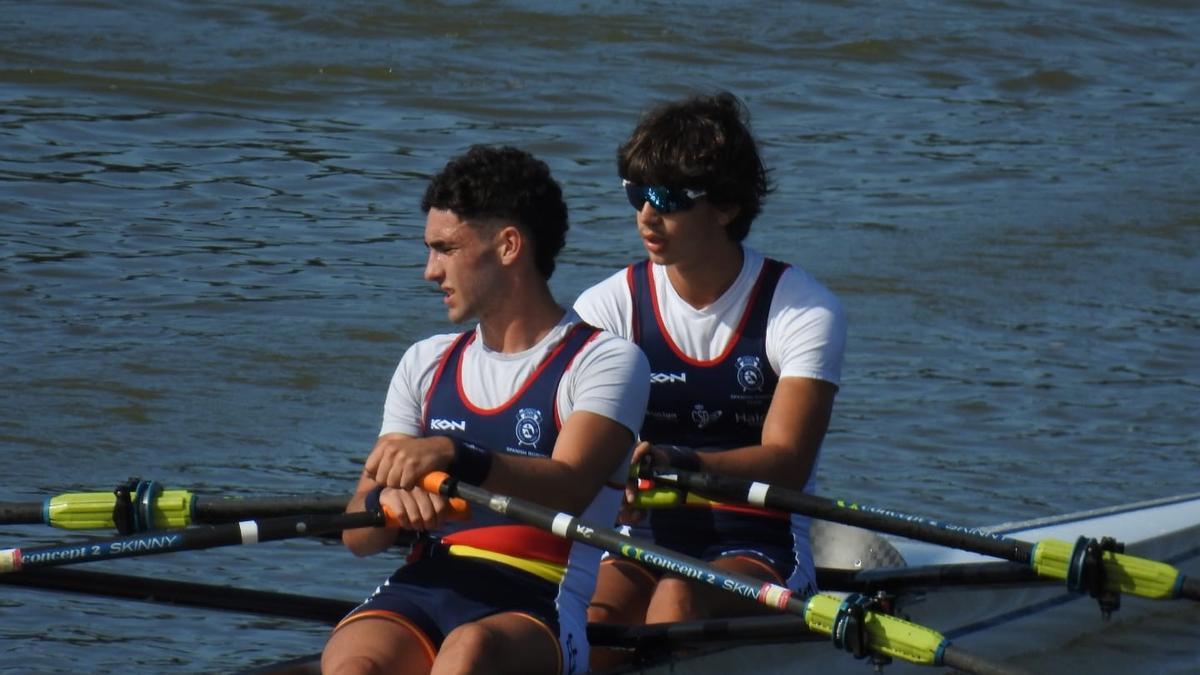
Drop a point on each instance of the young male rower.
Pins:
(530, 403)
(745, 351)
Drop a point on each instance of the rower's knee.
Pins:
(622, 593)
(467, 646)
(350, 665)
(601, 612)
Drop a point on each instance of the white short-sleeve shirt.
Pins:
(806, 327)
(609, 377)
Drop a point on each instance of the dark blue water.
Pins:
(210, 252)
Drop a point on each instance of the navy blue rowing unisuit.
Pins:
(488, 564)
(711, 406)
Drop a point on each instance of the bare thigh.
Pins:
(377, 645)
(623, 591)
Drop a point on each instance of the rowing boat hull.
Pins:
(997, 623)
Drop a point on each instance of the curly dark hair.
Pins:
(702, 142)
(505, 183)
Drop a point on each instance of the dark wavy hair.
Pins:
(505, 183)
(702, 143)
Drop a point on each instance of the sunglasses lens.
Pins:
(636, 195)
(663, 199)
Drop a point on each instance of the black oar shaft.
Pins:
(954, 657)
(1190, 589)
(771, 628)
(1099, 568)
(658, 557)
(210, 510)
(225, 509)
(185, 593)
(20, 513)
(206, 536)
(868, 517)
(937, 577)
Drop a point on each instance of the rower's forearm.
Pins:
(550, 483)
(365, 541)
(784, 467)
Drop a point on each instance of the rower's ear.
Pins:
(509, 243)
(726, 213)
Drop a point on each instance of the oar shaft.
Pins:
(570, 527)
(1190, 589)
(226, 509)
(208, 536)
(166, 510)
(170, 509)
(185, 593)
(20, 513)
(1049, 558)
(956, 658)
(859, 515)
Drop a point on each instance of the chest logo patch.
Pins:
(749, 373)
(529, 426)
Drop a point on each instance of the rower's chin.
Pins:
(657, 254)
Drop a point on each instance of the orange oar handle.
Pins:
(459, 508)
(432, 483)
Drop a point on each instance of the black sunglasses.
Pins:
(663, 199)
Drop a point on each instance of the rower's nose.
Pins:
(648, 213)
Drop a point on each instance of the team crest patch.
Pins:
(749, 373)
(529, 426)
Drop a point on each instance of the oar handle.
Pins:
(459, 508)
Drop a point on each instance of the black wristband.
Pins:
(681, 457)
(471, 463)
(371, 500)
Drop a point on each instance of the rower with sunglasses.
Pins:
(745, 355)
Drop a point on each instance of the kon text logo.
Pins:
(439, 424)
(668, 378)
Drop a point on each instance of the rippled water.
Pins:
(210, 252)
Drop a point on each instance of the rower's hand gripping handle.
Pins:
(459, 508)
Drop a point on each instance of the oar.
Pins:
(188, 539)
(642, 639)
(852, 625)
(1086, 565)
(145, 506)
(183, 593)
(782, 628)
